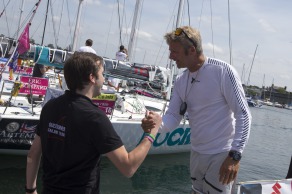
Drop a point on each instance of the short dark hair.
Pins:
(89, 42)
(78, 68)
(122, 47)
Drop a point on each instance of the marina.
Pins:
(144, 87)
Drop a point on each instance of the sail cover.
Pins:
(156, 75)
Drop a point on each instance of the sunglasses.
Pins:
(179, 31)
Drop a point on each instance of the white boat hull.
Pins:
(17, 130)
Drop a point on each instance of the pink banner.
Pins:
(24, 70)
(106, 105)
(24, 40)
(38, 85)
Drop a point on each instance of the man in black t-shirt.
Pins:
(73, 133)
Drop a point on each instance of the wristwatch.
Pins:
(235, 155)
(29, 190)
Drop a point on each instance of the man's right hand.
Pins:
(151, 122)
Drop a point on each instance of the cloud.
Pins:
(140, 34)
(209, 47)
(266, 26)
(285, 76)
(144, 35)
(56, 18)
(96, 2)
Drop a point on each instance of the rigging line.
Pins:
(53, 22)
(166, 49)
(4, 7)
(212, 27)
(252, 65)
(201, 14)
(33, 33)
(138, 29)
(70, 32)
(230, 41)
(119, 17)
(105, 51)
(124, 20)
(29, 17)
(45, 23)
(6, 21)
(126, 37)
(182, 15)
(34, 11)
(173, 25)
(60, 22)
(83, 21)
(21, 12)
(242, 74)
(172, 18)
(24, 22)
(188, 5)
(128, 29)
(162, 43)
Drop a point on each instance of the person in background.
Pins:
(114, 83)
(87, 47)
(73, 134)
(211, 92)
(122, 54)
(39, 70)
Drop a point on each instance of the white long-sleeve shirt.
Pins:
(218, 112)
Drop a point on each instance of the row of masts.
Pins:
(76, 31)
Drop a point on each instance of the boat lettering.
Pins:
(179, 136)
(34, 81)
(3, 134)
(38, 87)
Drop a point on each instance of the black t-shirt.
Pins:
(74, 134)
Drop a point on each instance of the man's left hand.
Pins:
(228, 170)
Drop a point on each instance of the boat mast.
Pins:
(75, 37)
(134, 29)
(263, 87)
(172, 66)
(45, 23)
(272, 87)
(251, 65)
(20, 18)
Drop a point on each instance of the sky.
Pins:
(253, 36)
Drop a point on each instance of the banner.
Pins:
(38, 85)
(106, 102)
(112, 97)
(107, 106)
(24, 40)
(23, 70)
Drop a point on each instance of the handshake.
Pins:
(151, 123)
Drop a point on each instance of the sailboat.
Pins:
(125, 110)
(251, 102)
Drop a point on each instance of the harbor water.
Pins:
(266, 157)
